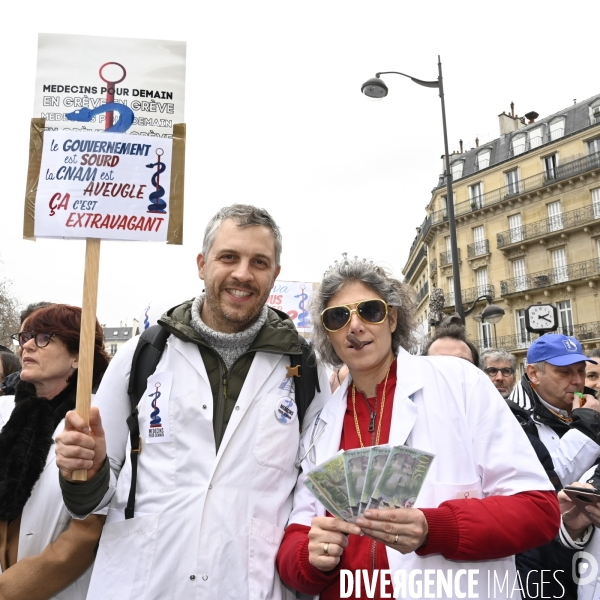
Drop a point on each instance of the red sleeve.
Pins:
(294, 568)
(493, 527)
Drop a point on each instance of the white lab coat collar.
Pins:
(409, 379)
(191, 353)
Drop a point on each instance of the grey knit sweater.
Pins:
(230, 346)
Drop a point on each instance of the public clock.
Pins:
(540, 318)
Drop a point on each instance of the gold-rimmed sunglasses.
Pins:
(372, 311)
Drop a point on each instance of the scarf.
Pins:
(25, 441)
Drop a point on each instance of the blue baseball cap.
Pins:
(558, 350)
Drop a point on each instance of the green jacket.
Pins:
(277, 336)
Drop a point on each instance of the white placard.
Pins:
(292, 297)
(78, 75)
(104, 185)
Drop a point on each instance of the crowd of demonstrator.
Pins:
(196, 488)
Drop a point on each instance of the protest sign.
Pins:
(103, 186)
(292, 297)
(91, 173)
(78, 75)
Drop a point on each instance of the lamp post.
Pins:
(375, 88)
(491, 313)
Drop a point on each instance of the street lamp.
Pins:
(492, 313)
(376, 88)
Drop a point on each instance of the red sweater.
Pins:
(458, 529)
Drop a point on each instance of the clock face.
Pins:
(541, 317)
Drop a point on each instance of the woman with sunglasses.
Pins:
(43, 552)
(486, 496)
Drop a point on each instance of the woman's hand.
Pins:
(327, 541)
(403, 529)
(80, 446)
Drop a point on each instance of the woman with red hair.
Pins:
(43, 552)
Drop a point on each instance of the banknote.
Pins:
(377, 458)
(320, 496)
(330, 478)
(401, 478)
(355, 464)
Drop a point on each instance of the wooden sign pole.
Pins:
(87, 336)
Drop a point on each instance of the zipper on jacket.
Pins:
(372, 429)
(373, 556)
(224, 384)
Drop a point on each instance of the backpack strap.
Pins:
(306, 382)
(148, 351)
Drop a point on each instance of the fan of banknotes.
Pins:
(380, 477)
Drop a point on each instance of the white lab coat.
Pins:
(44, 516)
(572, 454)
(589, 587)
(446, 406)
(207, 525)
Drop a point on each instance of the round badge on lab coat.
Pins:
(286, 410)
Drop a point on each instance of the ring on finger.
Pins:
(396, 539)
(326, 548)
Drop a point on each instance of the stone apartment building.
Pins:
(527, 208)
(115, 337)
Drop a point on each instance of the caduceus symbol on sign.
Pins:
(154, 418)
(304, 316)
(158, 204)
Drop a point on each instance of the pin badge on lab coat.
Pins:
(286, 410)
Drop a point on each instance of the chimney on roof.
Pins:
(510, 123)
(531, 117)
(461, 146)
(477, 142)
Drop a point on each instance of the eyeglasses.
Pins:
(506, 371)
(373, 311)
(41, 339)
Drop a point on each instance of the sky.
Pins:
(275, 118)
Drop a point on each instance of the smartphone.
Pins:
(582, 497)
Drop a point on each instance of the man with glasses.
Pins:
(500, 366)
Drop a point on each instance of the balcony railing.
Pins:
(423, 292)
(421, 254)
(446, 258)
(573, 218)
(469, 295)
(564, 171)
(507, 342)
(583, 332)
(478, 248)
(541, 279)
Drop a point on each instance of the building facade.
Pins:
(115, 337)
(527, 208)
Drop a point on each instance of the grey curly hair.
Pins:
(396, 294)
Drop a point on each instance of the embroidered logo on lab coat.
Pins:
(157, 407)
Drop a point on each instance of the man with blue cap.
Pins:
(569, 426)
(566, 423)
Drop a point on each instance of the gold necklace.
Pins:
(380, 416)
